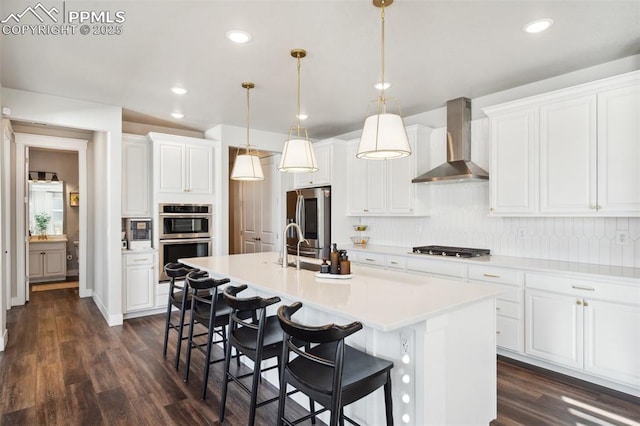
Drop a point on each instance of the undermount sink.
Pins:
(315, 267)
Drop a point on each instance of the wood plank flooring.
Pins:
(64, 365)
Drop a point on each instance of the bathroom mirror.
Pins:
(46, 198)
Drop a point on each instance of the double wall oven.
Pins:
(185, 231)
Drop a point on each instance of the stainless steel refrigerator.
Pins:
(311, 209)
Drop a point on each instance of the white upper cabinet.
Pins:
(568, 156)
(513, 176)
(136, 176)
(573, 152)
(619, 150)
(183, 165)
(324, 156)
(383, 187)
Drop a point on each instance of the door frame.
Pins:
(22, 141)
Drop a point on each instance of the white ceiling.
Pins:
(436, 50)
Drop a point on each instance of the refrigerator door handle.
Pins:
(302, 215)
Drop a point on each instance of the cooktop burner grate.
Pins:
(451, 251)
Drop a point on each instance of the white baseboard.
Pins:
(112, 319)
(4, 340)
(16, 302)
(138, 314)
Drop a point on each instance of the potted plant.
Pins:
(42, 221)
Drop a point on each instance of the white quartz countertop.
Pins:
(380, 299)
(523, 263)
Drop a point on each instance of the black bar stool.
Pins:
(210, 310)
(259, 338)
(332, 373)
(180, 298)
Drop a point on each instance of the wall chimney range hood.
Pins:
(458, 167)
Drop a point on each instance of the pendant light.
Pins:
(383, 135)
(247, 166)
(297, 155)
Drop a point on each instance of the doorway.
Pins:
(37, 155)
(253, 213)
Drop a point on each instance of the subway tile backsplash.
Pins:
(460, 218)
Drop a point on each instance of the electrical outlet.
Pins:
(622, 238)
(404, 342)
(522, 233)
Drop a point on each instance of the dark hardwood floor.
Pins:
(64, 365)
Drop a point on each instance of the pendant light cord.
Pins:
(298, 100)
(248, 117)
(382, 51)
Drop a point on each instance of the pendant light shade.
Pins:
(384, 135)
(297, 155)
(247, 166)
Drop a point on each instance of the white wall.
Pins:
(104, 189)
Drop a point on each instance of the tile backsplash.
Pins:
(459, 217)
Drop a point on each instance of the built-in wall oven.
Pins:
(185, 231)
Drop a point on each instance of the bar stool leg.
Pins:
(388, 402)
(190, 343)
(207, 360)
(166, 330)
(181, 328)
(225, 381)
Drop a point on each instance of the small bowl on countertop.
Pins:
(360, 227)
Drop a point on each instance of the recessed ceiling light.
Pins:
(538, 25)
(302, 116)
(238, 36)
(379, 85)
(179, 90)
(177, 114)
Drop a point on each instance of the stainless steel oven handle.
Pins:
(186, 241)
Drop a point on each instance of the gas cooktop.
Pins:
(451, 251)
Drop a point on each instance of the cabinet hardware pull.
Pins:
(497, 308)
(369, 260)
(577, 287)
(497, 332)
(491, 275)
(586, 303)
(579, 302)
(366, 210)
(139, 260)
(393, 263)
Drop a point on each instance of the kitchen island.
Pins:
(439, 333)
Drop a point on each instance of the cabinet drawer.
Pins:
(508, 334)
(627, 294)
(139, 259)
(371, 259)
(396, 262)
(496, 275)
(439, 267)
(508, 309)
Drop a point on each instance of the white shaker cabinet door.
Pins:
(136, 173)
(612, 341)
(513, 172)
(619, 151)
(171, 167)
(554, 328)
(199, 169)
(568, 149)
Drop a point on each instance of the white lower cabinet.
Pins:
(139, 279)
(589, 326)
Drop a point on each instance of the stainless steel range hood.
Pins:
(458, 166)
